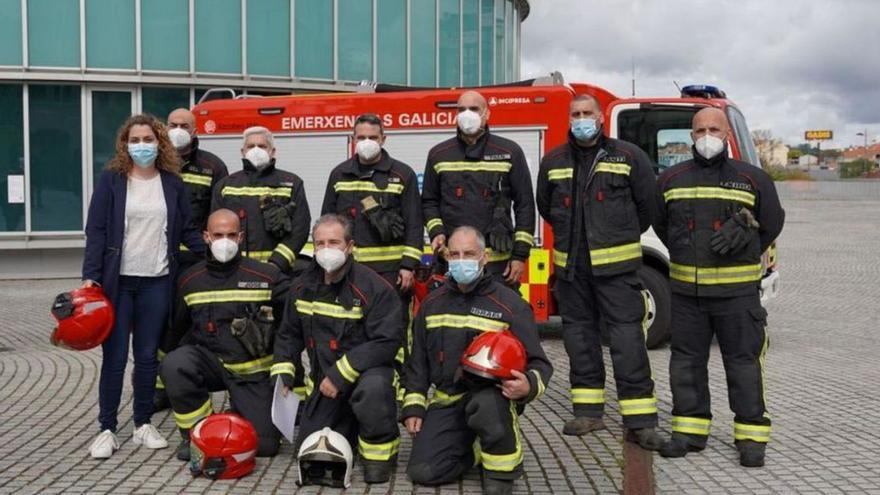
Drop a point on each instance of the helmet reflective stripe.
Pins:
(244, 456)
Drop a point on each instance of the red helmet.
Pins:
(223, 446)
(85, 318)
(493, 355)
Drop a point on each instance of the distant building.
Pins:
(808, 161)
(773, 153)
(872, 152)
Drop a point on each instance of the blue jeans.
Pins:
(142, 311)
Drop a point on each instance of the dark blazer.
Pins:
(105, 229)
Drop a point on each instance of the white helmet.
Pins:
(325, 458)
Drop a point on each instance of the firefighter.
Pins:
(475, 179)
(716, 216)
(226, 317)
(347, 318)
(464, 410)
(597, 193)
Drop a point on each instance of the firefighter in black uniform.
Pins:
(460, 411)
(598, 193)
(225, 321)
(347, 318)
(474, 179)
(717, 216)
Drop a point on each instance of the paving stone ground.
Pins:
(822, 373)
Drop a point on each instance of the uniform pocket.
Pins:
(759, 315)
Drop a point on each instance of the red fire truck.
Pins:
(313, 134)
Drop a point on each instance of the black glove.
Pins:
(277, 216)
(255, 331)
(386, 222)
(734, 234)
(499, 234)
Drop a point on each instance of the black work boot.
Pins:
(582, 425)
(751, 453)
(492, 486)
(646, 438)
(679, 446)
(160, 400)
(183, 447)
(377, 471)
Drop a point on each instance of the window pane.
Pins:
(508, 32)
(423, 20)
(218, 36)
(391, 38)
(487, 23)
(355, 40)
(161, 101)
(499, 41)
(268, 37)
(56, 158)
(109, 111)
(314, 39)
(53, 33)
(450, 43)
(165, 35)
(11, 155)
(470, 52)
(10, 32)
(110, 34)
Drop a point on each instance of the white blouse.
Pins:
(145, 244)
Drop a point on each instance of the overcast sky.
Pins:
(789, 65)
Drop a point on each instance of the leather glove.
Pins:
(245, 330)
(255, 331)
(277, 216)
(395, 221)
(500, 232)
(387, 223)
(734, 234)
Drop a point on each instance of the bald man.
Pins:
(227, 312)
(717, 216)
(476, 178)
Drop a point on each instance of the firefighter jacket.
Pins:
(394, 185)
(346, 327)
(201, 171)
(242, 193)
(464, 184)
(447, 322)
(696, 197)
(603, 195)
(211, 295)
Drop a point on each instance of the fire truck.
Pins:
(313, 133)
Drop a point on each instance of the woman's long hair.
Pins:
(167, 159)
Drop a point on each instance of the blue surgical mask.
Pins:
(465, 271)
(143, 154)
(585, 129)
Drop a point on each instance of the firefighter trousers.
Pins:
(620, 302)
(739, 324)
(365, 413)
(192, 372)
(480, 427)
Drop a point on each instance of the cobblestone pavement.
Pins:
(822, 373)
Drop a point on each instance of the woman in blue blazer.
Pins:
(138, 217)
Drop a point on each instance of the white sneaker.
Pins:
(104, 446)
(149, 436)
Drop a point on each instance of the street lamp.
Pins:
(865, 135)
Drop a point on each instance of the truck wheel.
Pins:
(659, 306)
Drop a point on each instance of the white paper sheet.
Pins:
(284, 410)
(15, 189)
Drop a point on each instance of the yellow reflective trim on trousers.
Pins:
(613, 168)
(443, 399)
(707, 192)
(308, 388)
(632, 407)
(400, 357)
(615, 254)
(250, 367)
(160, 354)
(228, 295)
(441, 167)
(496, 256)
(506, 462)
(411, 252)
(378, 451)
(465, 321)
(286, 252)
(762, 359)
(560, 258)
(159, 384)
(346, 370)
(256, 191)
(378, 253)
(758, 433)
(282, 369)
(415, 399)
(588, 396)
(434, 222)
(560, 174)
(327, 309)
(258, 255)
(691, 425)
(188, 420)
(367, 186)
(524, 237)
(540, 382)
(715, 276)
(200, 180)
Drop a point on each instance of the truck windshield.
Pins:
(747, 150)
(663, 132)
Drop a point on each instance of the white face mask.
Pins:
(257, 156)
(330, 259)
(180, 138)
(224, 249)
(469, 122)
(708, 146)
(367, 149)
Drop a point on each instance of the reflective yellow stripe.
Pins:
(250, 367)
(400, 357)
(706, 192)
(560, 174)
(506, 462)
(256, 191)
(379, 253)
(524, 237)
(631, 407)
(183, 247)
(308, 388)
(757, 433)
(465, 321)
(201, 180)
(434, 222)
(415, 399)
(160, 354)
(285, 251)
(588, 396)
(378, 451)
(159, 384)
(615, 254)
(691, 425)
(414, 253)
(443, 399)
(282, 369)
(496, 256)
(228, 295)
(188, 420)
(613, 168)
(715, 276)
(560, 258)
(441, 167)
(259, 255)
(540, 383)
(327, 309)
(346, 370)
(367, 186)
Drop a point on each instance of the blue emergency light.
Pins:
(702, 91)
